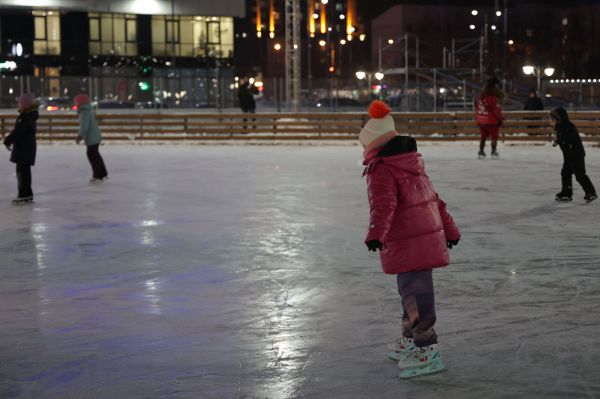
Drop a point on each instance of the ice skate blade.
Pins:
(587, 201)
(481, 157)
(20, 203)
(419, 371)
(563, 199)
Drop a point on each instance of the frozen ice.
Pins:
(240, 272)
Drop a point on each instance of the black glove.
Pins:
(451, 243)
(374, 245)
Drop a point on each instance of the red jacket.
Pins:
(488, 111)
(407, 215)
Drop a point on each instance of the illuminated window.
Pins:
(192, 36)
(46, 33)
(113, 34)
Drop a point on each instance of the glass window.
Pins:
(94, 29)
(46, 25)
(131, 30)
(40, 28)
(172, 32)
(214, 37)
(158, 35)
(113, 31)
(119, 28)
(106, 28)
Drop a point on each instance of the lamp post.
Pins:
(361, 75)
(537, 71)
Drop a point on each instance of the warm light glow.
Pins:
(323, 20)
(311, 21)
(361, 75)
(498, 13)
(511, 42)
(528, 69)
(277, 46)
(350, 16)
(259, 84)
(390, 41)
(271, 19)
(493, 27)
(343, 41)
(251, 81)
(472, 27)
(474, 12)
(362, 37)
(342, 17)
(379, 75)
(549, 71)
(322, 43)
(332, 69)
(258, 19)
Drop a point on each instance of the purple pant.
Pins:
(418, 304)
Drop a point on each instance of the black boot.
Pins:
(566, 194)
(589, 197)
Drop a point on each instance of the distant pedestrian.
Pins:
(567, 137)
(91, 136)
(22, 144)
(489, 115)
(246, 92)
(533, 103)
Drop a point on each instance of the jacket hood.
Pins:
(560, 115)
(30, 113)
(410, 162)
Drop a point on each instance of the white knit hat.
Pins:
(381, 123)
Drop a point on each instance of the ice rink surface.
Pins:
(240, 272)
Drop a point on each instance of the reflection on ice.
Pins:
(250, 279)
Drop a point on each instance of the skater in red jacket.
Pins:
(489, 115)
(412, 229)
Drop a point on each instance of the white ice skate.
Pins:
(401, 348)
(95, 180)
(424, 361)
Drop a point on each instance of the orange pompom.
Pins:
(379, 109)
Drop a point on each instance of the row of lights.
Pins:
(575, 81)
(475, 13)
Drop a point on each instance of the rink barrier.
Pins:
(440, 126)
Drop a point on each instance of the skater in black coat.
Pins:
(22, 144)
(567, 137)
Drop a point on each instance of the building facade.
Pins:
(128, 50)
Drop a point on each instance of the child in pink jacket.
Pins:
(412, 229)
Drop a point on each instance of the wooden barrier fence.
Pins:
(443, 126)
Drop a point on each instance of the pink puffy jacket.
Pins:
(407, 215)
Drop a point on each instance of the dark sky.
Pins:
(370, 9)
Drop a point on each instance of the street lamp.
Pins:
(537, 71)
(361, 75)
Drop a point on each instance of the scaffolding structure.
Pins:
(292, 55)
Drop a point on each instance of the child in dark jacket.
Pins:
(411, 227)
(22, 144)
(567, 137)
